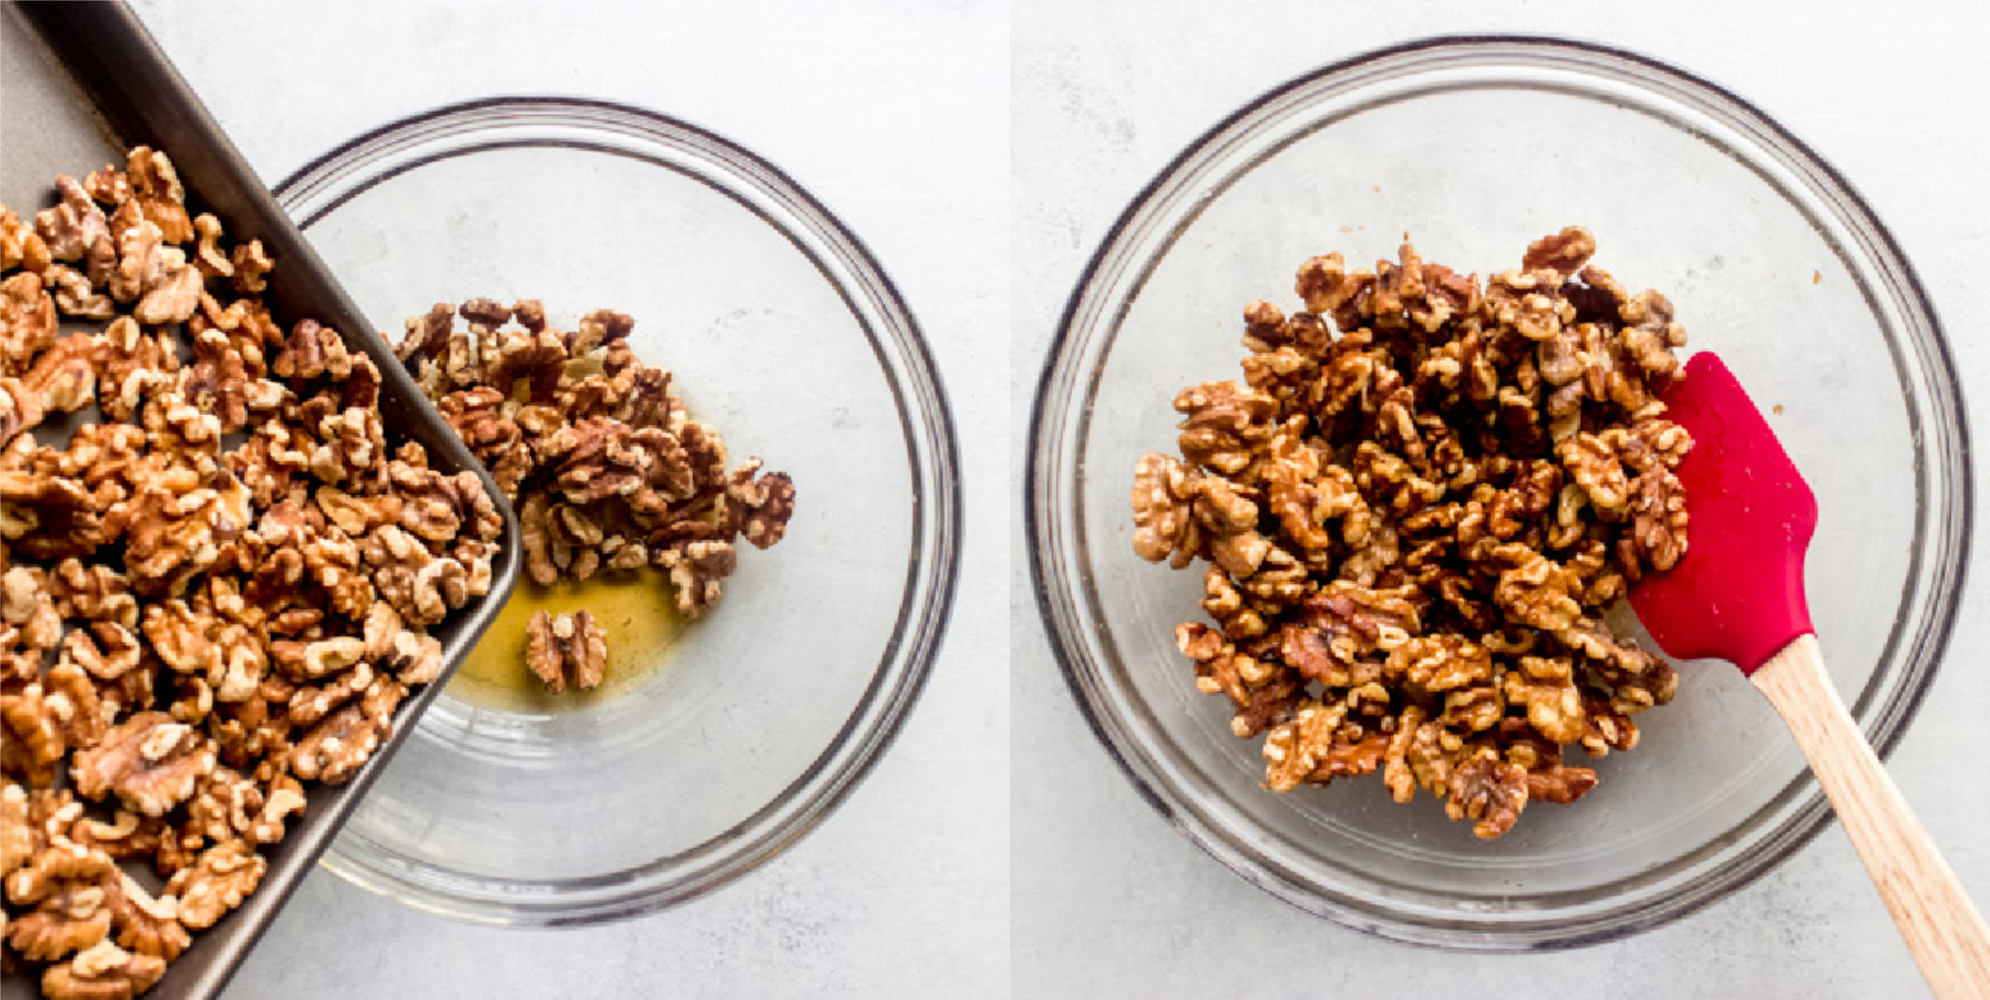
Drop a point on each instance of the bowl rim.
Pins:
(931, 444)
(1944, 590)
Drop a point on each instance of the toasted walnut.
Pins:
(155, 185)
(414, 658)
(1565, 252)
(216, 883)
(129, 835)
(563, 647)
(151, 762)
(333, 750)
(102, 972)
(1535, 591)
(1224, 425)
(766, 503)
(75, 225)
(35, 744)
(1413, 527)
(421, 586)
(145, 925)
(251, 263)
(65, 887)
(696, 569)
(17, 841)
(1161, 499)
(1489, 790)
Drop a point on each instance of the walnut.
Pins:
(65, 886)
(334, 749)
(1634, 679)
(1239, 615)
(64, 377)
(1224, 425)
(1536, 591)
(150, 761)
(129, 835)
(1489, 790)
(1162, 494)
(413, 657)
(1263, 694)
(93, 592)
(1657, 539)
(560, 647)
(1414, 526)
(155, 186)
(696, 569)
(477, 416)
(1565, 252)
(35, 742)
(74, 294)
(75, 225)
(102, 972)
(145, 925)
(250, 264)
(1436, 664)
(1546, 686)
(421, 586)
(209, 258)
(1293, 751)
(219, 881)
(20, 245)
(766, 503)
(310, 704)
(72, 702)
(17, 841)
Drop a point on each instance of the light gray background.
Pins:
(893, 116)
(1107, 900)
(899, 117)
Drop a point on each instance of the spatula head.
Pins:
(1738, 592)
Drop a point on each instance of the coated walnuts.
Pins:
(606, 468)
(213, 591)
(1414, 527)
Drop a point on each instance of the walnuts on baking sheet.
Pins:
(213, 591)
(1414, 527)
(606, 468)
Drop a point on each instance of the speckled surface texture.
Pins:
(1107, 900)
(997, 850)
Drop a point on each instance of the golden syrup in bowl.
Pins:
(637, 612)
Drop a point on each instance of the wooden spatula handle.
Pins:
(1942, 928)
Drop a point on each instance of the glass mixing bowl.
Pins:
(1474, 147)
(785, 334)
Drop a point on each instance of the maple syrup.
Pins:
(636, 611)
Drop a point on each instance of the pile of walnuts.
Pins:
(1413, 527)
(603, 464)
(191, 630)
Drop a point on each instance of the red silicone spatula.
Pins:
(1738, 595)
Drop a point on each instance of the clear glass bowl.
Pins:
(1475, 147)
(783, 332)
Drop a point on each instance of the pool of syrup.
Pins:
(637, 612)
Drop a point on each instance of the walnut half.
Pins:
(563, 647)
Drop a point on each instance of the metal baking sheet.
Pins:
(80, 83)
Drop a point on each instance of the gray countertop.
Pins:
(997, 849)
